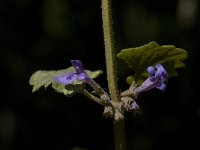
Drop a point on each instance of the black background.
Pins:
(47, 34)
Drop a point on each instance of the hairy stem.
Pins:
(110, 50)
(119, 131)
(119, 135)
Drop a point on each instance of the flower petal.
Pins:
(78, 66)
(82, 76)
(146, 85)
(66, 78)
(161, 73)
(162, 87)
(151, 70)
(160, 69)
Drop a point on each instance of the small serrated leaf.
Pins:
(45, 78)
(139, 58)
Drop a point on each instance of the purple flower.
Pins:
(157, 79)
(78, 76)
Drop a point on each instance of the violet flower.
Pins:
(157, 79)
(79, 75)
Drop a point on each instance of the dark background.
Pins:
(47, 34)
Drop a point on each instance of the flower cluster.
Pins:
(157, 79)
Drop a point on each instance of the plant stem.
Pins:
(120, 143)
(109, 50)
(94, 98)
(119, 131)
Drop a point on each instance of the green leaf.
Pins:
(45, 78)
(139, 58)
(60, 88)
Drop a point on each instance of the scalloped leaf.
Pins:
(45, 78)
(139, 58)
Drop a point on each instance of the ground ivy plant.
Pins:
(151, 63)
